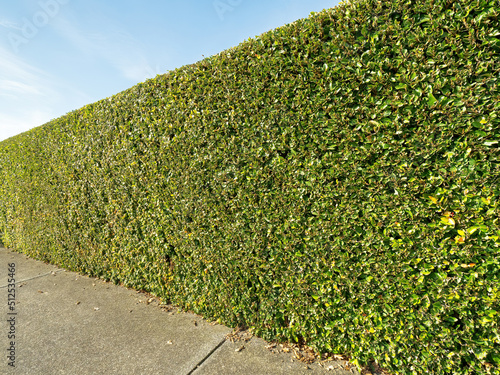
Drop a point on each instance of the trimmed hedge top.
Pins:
(333, 182)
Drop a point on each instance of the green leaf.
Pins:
(495, 358)
(431, 100)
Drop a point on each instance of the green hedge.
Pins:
(333, 182)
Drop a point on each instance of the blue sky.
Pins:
(59, 55)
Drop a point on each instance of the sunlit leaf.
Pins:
(431, 100)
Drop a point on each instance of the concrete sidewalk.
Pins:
(66, 323)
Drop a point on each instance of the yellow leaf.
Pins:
(486, 200)
(468, 265)
(434, 200)
(448, 221)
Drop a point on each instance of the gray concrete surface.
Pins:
(66, 323)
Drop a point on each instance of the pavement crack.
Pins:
(207, 356)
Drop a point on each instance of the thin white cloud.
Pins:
(9, 87)
(124, 52)
(17, 78)
(117, 47)
(11, 125)
(11, 64)
(137, 69)
(30, 97)
(23, 91)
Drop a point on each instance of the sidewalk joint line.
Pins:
(206, 357)
(33, 278)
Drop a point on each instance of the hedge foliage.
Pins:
(334, 182)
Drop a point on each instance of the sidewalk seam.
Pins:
(33, 278)
(206, 357)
